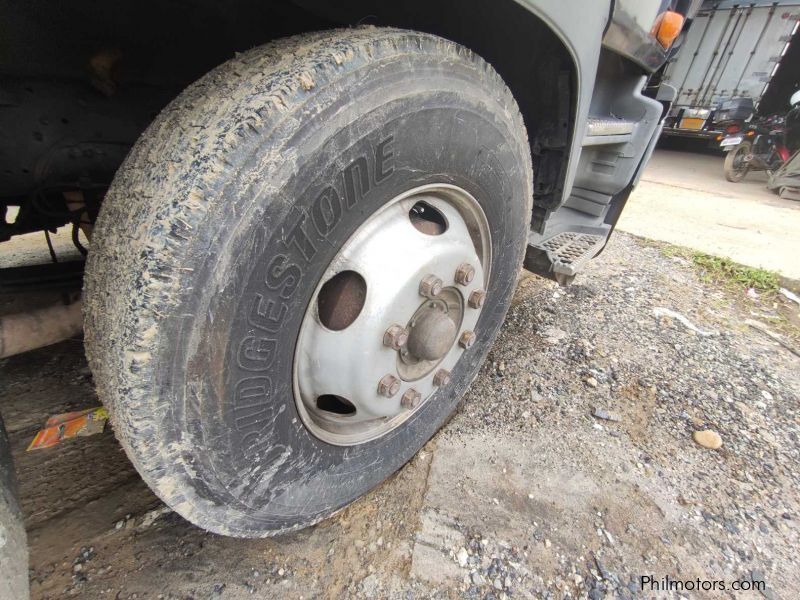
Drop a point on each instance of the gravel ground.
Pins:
(570, 471)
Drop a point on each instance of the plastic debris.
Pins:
(665, 312)
(789, 295)
(68, 425)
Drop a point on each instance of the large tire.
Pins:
(204, 259)
(735, 170)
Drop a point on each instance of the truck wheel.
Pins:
(299, 269)
(735, 165)
(13, 541)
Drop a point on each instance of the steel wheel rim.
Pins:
(339, 374)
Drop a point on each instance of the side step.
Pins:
(607, 130)
(562, 256)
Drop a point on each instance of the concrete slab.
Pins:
(684, 199)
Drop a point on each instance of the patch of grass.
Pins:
(725, 271)
(669, 251)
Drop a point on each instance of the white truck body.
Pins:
(732, 50)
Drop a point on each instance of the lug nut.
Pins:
(388, 386)
(411, 398)
(430, 286)
(476, 299)
(467, 339)
(395, 337)
(442, 378)
(465, 273)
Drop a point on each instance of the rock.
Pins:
(757, 576)
(731, 527)
(370, 586)
(477, 578)
(590, 381)
(462, 556)
(603, 414)
(609, 537)
(601, 568)
(547, 543)
(553, 335)
(152, 516)
(708, 439)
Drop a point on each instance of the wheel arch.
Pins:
(528, 42)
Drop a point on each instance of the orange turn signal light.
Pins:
(667, 27)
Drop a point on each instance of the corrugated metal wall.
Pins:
(731, 50)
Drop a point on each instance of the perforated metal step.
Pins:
(570, 250)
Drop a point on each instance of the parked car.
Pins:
(298, 260)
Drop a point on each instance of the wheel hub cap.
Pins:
(432, 333)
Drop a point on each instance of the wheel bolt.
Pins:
(476, 299)
(411, 398)
(430, 286)
(388, 386)
(467, 339)
(465, 273)
(395, 337)
(442, 378)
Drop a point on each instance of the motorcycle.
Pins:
(758, 146)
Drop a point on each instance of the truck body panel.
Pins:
(731, 51)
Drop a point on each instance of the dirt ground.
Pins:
(684, 199)
(570, 470)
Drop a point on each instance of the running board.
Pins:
(562, 256)
(607, 130)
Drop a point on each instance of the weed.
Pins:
(724, 270)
